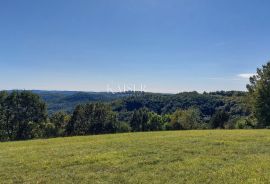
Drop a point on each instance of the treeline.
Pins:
(23, 115)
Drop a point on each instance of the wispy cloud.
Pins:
(238, 77)
(224, 78)
(245, 75)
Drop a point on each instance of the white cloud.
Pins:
(245, 75)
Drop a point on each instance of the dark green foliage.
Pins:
(228, 93)
(246, 123)
(3, 120)
(68, 100)
(124, 104)
(259, 90)
(139, 120)
(22, 115)
(155, 122)
(207, 103)
(57, 124)
(145, 120)
(185, 119)
(94, 118)
(219, 119)
(123, 127)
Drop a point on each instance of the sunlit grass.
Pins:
(209, 156)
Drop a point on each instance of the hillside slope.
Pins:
(67, 100)
(232, 101)
(212, 156)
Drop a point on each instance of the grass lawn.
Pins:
(208, 156)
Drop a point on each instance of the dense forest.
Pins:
(37, 114)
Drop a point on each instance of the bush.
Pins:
(155, 122)
(246, 123)
(123, 127)
(185, 119)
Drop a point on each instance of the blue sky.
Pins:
(166, 45)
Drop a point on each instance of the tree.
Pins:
(139, 120)
(219, 119)
(93, 118)
(57, 124)
(155, 122)
(185, 119)
(135, 122)
(259, 90)
(22, 115)
(3, 130)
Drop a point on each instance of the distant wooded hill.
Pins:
(68, 100)
(233, 101)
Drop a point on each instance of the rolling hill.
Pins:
(67, 100)
(209, 156)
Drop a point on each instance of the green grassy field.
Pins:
(210, 156)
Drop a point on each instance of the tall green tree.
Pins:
(259, 90)
(24, 114)
(139, 120)
(3, 125)
(93, 118)
(219, 119)
(155, 122)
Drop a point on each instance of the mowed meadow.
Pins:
(207, 156)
